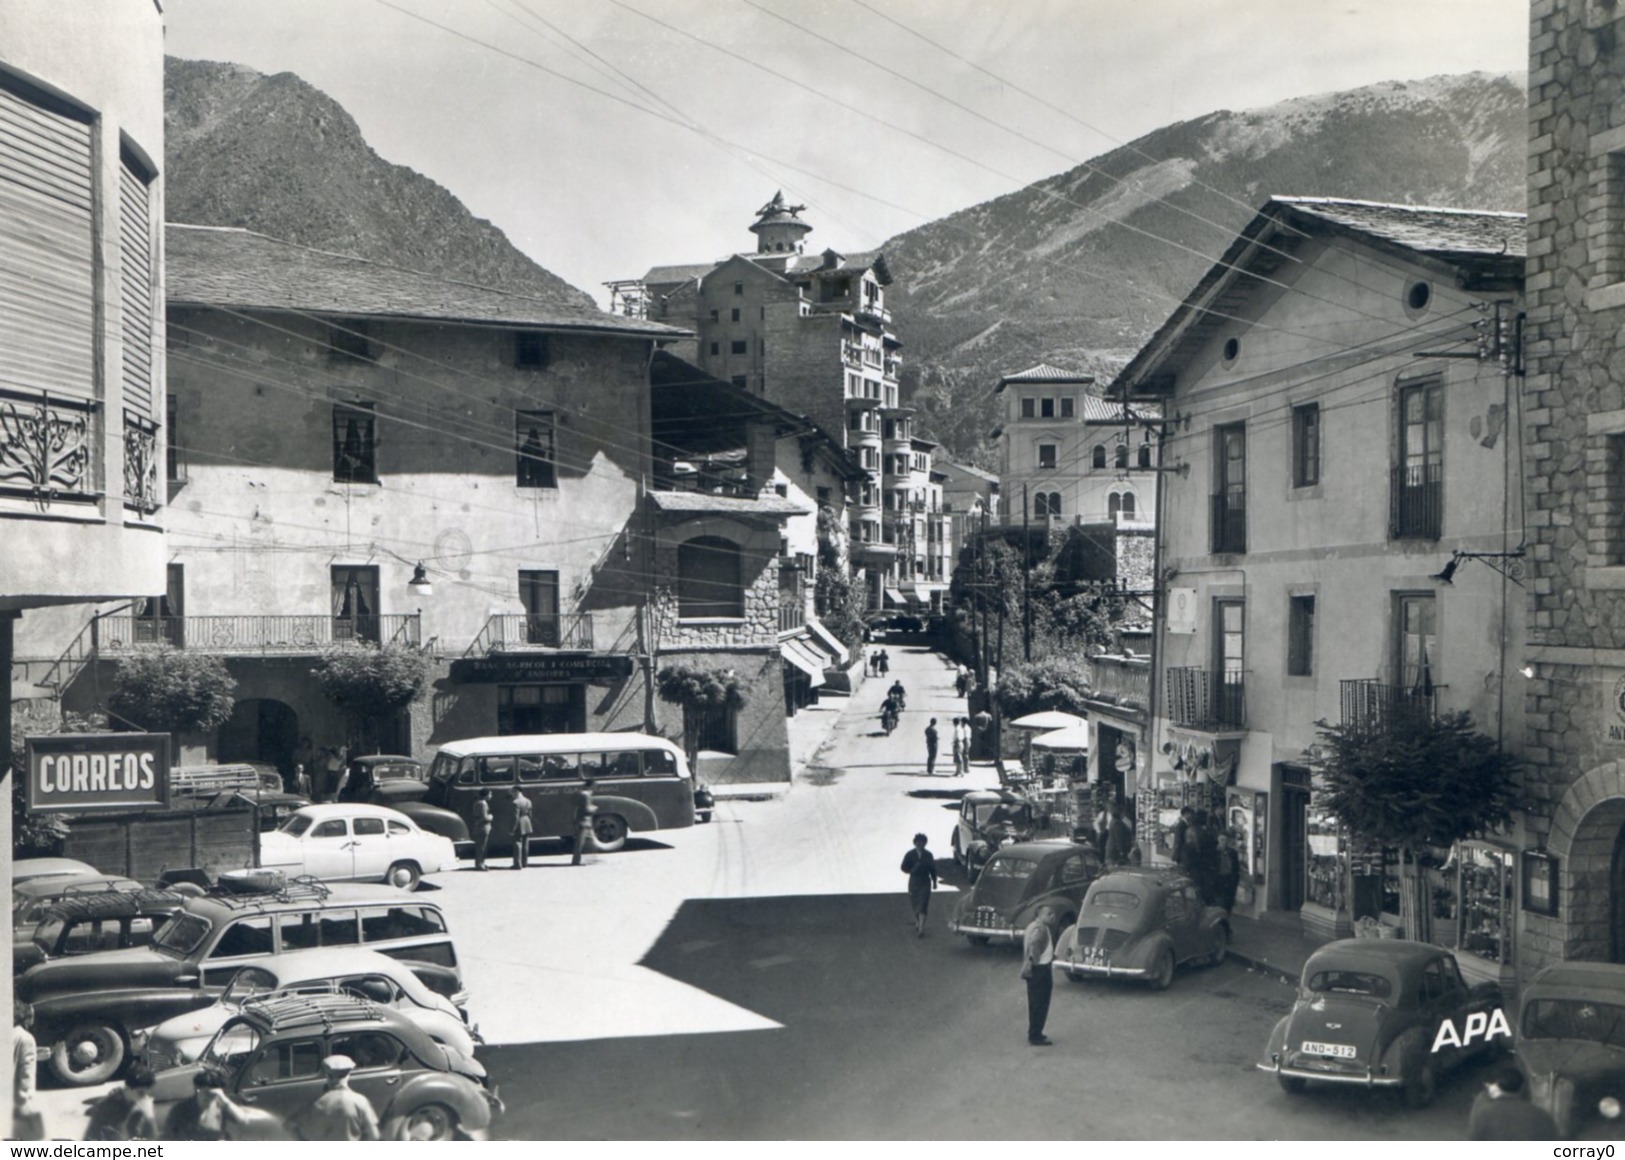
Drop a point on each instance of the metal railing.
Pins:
(257, 634)
(1121, 680)
(1416, 501)
(516, 631)
(1205, 699)
(1371, 706)
(1228, 523)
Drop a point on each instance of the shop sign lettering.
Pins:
(1479, 1025)
(98, 771)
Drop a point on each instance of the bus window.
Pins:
(623, 764)
(659, 763)
(531, 768)
(561, 766)
(594, 765)
(496, 770)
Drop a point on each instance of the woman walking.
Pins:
(921, 869)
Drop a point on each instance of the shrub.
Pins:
(695, 688)
(371, 683)
(166, 690)
(1053, 682)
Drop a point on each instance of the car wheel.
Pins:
(405, 875)
(425, 1122)
(1222, 947)
(1422, 1084)
(1162, 973)
(977, 940)
(1291, 1084)
(90, 1053)
(608, 832)
(959, 858)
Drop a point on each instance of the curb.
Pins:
(1264, 966)
(751, 794)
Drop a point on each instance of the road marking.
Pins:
(700, 944)
(773, 961)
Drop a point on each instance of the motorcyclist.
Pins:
(888, 714)
(898, 694)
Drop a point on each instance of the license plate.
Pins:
(1093, 956)
(1339, 1050)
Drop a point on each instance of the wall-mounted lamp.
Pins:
(420, 583)
(1443, 576)
(1528, 670)
(1509, 564)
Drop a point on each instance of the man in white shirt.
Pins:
(1038, 952)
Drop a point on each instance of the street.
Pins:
(759, 977)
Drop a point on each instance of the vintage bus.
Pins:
(638, 783)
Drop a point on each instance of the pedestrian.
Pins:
(1203, 846)
(961, 680)
(26, 1121)
(1119, 837)
(1228, 877)
(330, 776)
(340, 1112)
(520, 827)
(126, 1113)
(206, 1113)
(921, 869)
(1037, 953)
(885, 663)
(480, 830)
(981, 721)
(900, 693)
(931, 748)
(301, 780)
(585, 811)
(1502, 1112)
(304, 754)
(958, 746)
(1181, 829)
(965, 741)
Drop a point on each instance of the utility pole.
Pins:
(981, 597)
(1026, 581)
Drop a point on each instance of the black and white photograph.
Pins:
(716, 571)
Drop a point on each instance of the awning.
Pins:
(827, 641)
(896, 598)
(803, 656)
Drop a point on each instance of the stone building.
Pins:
(1339, 434)
(1574, 463)
(82, 425)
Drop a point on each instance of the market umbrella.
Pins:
(1048, 719)
(1073, 738)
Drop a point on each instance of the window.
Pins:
(1046, 408)
(709, 578)
(1120, 457)
(716, 348)
(135, 243)
(1228, 527)
(246, 936)
(339, 928)
(712, 727)
(349, 342)
(175, 463)
(1609, 499)
(530, 351)
(1300, 645)
(1046, 455)
(1416, 645)
(1144, 459)
(369, 826)
(354, 592)
(1128, 504)
(1416, 495)
(739, 287)
(1114, 504)
(1306, 445)
(1029, 408)
(535, 435)
(332, 828)
(823, 495)
(714, 316)
(539, 593)
(1097, 458)
(355, 443)
(291, 1061)
(1229, 660)
(739, 346)
(1047, 503)
(1067, 405)
(735, 314)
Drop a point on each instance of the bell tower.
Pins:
(778, 229)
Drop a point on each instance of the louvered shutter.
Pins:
(135, 285)
(47, 289)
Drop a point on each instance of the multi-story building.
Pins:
(1572, 902)
(812, 332)
(968, 494)
(82, 425)
(1338, 438)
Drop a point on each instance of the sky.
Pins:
(607, 136)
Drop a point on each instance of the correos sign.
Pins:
(98, 771)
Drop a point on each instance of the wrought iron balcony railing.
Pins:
(46, 446)
(517, 631)
(257, 634)
(1228, 525)
(1371, 706)
(1416, 502)
(1207, 700)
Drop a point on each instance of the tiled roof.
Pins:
(1045, 373)
(664, 275)
(1426, 229)
(1098, 410)
(703, 502)
(211, 266)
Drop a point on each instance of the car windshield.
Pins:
(247, 983)
(1114, 900)
(181, 934)
(296, 825)
(1338, 982)
(445, 767)
(398, 771)
(232, 1045)
(1010, 867)
(1584, 1019)
(47, 933)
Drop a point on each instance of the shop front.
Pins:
(506, 694)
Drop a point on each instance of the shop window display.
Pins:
(1328, 850)
(1486, 901)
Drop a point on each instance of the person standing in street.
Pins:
(1037, 953)
(931, 748)
(585, 811)
(958, 746)
(1502, 1111)
(1228, 877)
(480, 831)
(921, 869)
(520, 828)
(982, 721)
(128, 1112)
(1182, 830)
(340, 1112)
(961, 680)
(1119, 837)
(26, 1121)
(207, 1114)
(1206, 870)
(885, 663)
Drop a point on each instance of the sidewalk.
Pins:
(1275, 948)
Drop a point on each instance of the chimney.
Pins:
(761, 442)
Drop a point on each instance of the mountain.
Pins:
(1079, 269)
(273, 154)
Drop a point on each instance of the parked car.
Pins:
(1017, 882)
(400, 782)
(1369, 1012)
(31, 899)
(989, 819)
(28, 869)
(89, 923)
(87, 1008)
(348, 970)
(1571, 1044)
(270, 1053)
(1142, 923)
(356, 842)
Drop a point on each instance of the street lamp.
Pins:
(420, 583)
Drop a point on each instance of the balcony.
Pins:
(523, 631)
(874, 311)
(1228, 523)
(1416, 502)
(47, 448)
(1206, 700)
(1121, 680)
(250, 635)
(1372, 707)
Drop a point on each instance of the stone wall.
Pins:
(758, 628)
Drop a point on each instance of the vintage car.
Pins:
(1018, 881)
(87, 1008)
(1142, 923)
(1571, 1044)
(28, 869)
(1371, 1012)
(356, 842)
(351, 970)
(400, 782)
(988, 819)
(88, 923)
(269, 1057)
(31, 899)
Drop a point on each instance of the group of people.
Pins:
(320, 774)
(960, 735)
(1207, 852)
(521, 826)
(878, 663)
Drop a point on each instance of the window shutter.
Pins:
(135, 286)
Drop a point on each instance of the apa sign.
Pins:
(98, 771)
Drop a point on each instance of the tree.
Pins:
(1417, 780)
(371, 683)
(166, 690)
(1054, 682)
(838, 601)
(694, 689)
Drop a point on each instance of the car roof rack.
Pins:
(300, 889)
(113, 904)
(284, 1010)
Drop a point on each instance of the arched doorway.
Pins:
(260, 729)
